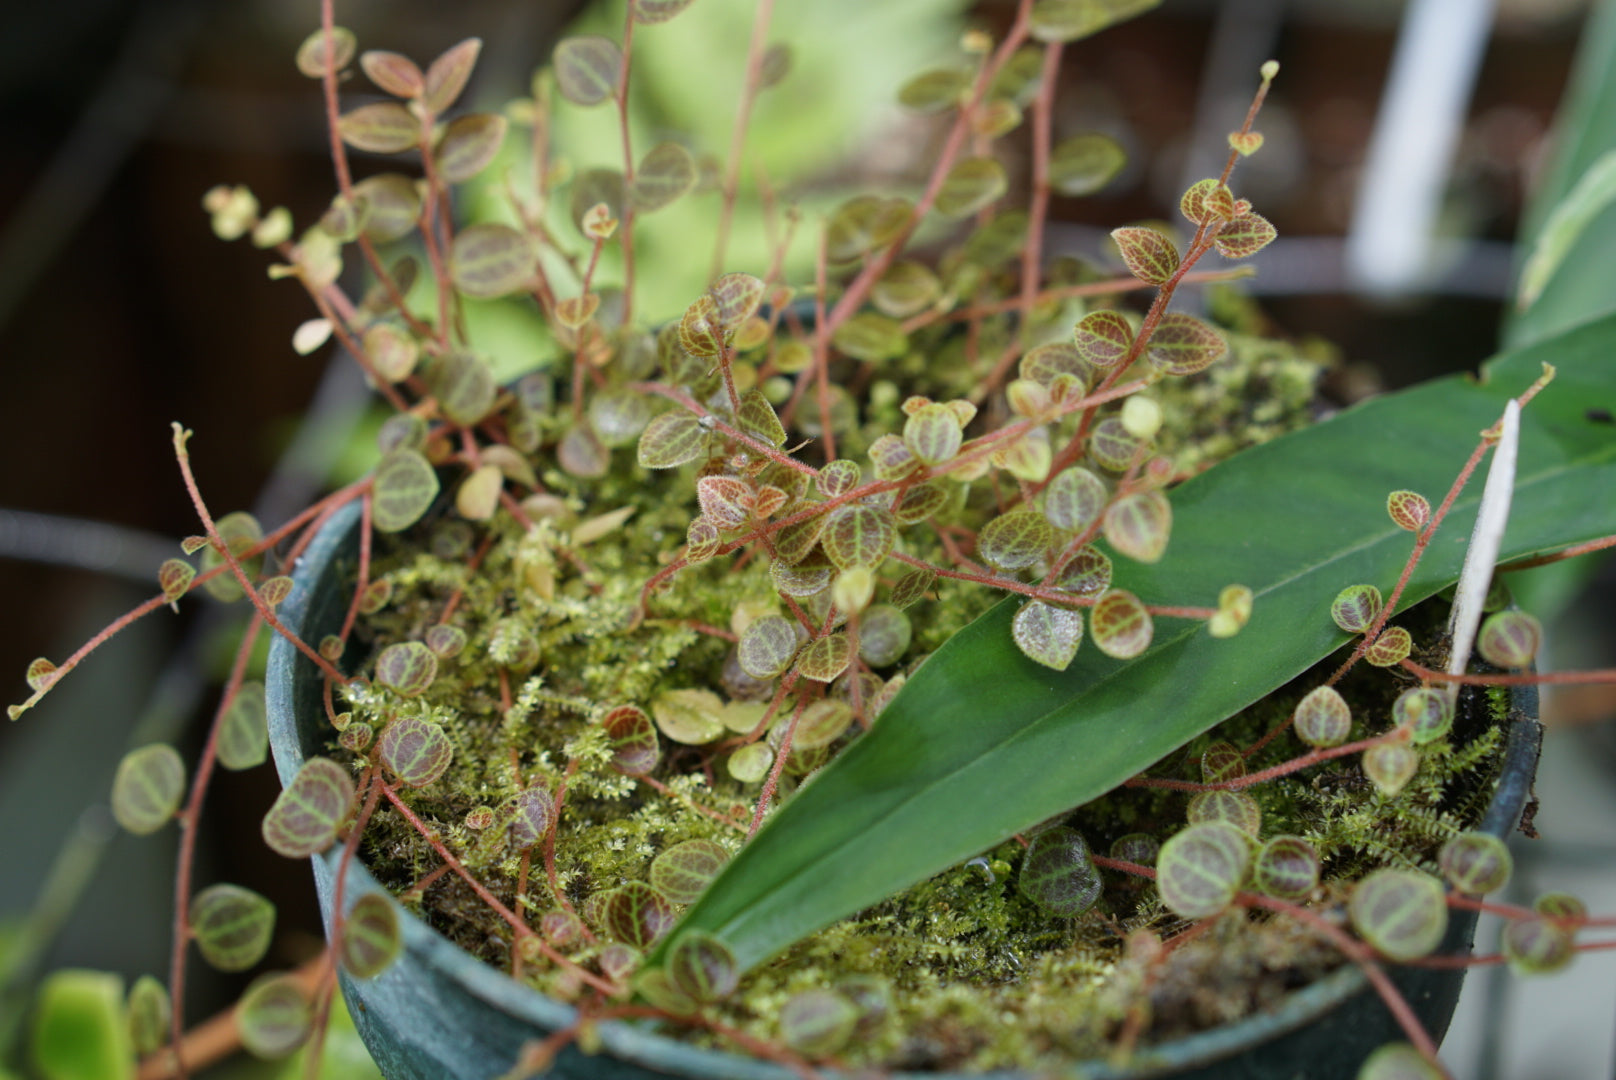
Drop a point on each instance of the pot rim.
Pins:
(633, 1041)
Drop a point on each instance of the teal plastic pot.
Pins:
(439, 1014)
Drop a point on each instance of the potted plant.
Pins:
(635, 599)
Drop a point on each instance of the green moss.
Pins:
(978, 977)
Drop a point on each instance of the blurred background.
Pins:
(1403, 142)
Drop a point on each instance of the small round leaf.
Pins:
(1138, 525)
(232, 926)
(934, 91)
(1120, 625)
(1103, 338)
(147, 788)
(1015, 540)
(768, 646)
(311, 54)
(1058, 873)
(1509, 639)
(970, 185)
(527, 816)
(859, 534)
(1245, 236)
(1402, 914)
(884, 635)
(417, 751)
(489, 260)
(150, 1012)
(1538, 946)
(1476, 862)
(681, 872)
(370, 936)
(666, 172)
(672, 439)
(634, 740)
(274, 1017)
(816, 1023)
(1355, 607)
(383, 128)
(1390, 766)
(587, 69)
(1083, 164)
(243, 740)
(308, 812)
(1287, 867)
(407, 668)
(1322, 718)
(1048, 634)
(469, 143)
(404, 488)
(637, 914)
(702, 966)
(1201, 868)
(691, 717)
(1183, 344)
(1426, 712)
(1149, 255)
(1410, 510)
(825, 658)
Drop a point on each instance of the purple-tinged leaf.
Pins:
(311, 54)
(370, 936)
(147, 788)
(1149, 255)
(1245, 236)
(446, 76)
(383, 128)
(970, 185)
(665, 174)
(489, 260)
(469, 143)
(308, 812)
(587, 69)
(407, 668)
(417, 751)
(1048, 634)
(232, 926)
(392, 72)
(274, 1017)
(243, 731)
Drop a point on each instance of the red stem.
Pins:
(188, 819)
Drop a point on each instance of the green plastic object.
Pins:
(440, 1014)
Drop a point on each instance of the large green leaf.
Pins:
(982, 742)
(1584, 130)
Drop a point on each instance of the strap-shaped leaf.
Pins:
(982, 742)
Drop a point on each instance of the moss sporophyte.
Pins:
(893, 647)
